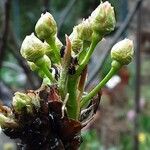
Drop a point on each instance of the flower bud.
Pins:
(123, 52)
(47, 61)
(49, 51)
(3, 120)
(103, 19)
(33, 66)
(6, 122)
(46, 26)
(76, 42)
(58, 43)
(21, 102)
(35, 99)
(84, 30)
(32, 48)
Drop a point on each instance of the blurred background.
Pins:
(123, 118)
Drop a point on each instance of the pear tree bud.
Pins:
(123, 52)
(32, 48)
(47, 61)
(84, 30)
(46, 27)
(6, 122)
(103, 19)
(58, 43)
(3, 120)
(76, 42)
(35, 68)
(50, 52)
(43, 61)
(21, 102)
(32, 66)
(35, 99)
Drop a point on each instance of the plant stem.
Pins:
(48, 73)
(85, 100)
(87, 56)
(64, 72)
(82, 83)
(52, 44)
(72, 104)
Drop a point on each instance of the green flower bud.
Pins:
(84, 30)
(43, 61)
(50, 52)
(58, 43)
(6, 122)
(35, 99)
(46, 26)
(35, 68)
(32, 48)
(21, 102)
(47, 61)
(103, 18)
(123, 51)
(32, 66)
(3, 120)
(76, 42)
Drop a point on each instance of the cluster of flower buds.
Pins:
(25, 103)
(101, 22)
(64, 69)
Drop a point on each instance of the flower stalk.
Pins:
(86, 99)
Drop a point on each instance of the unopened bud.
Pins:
(47, 61)
(33, 66)
(21, 102)
(103, 18)
(35, 99)
(50, 52)
(123, 51)
(84, 30)
(32, 48)
(6, 122)
(76, 42)
(46, 26)
(58, 43)
(3, 120)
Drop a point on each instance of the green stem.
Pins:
(62, 82)
(52, 44)
(72, 104)
(87, 56)
(64, 72)
(43, 67)
(48, 73)
(85, 100)
(82, 83)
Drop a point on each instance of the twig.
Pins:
(5, 31)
